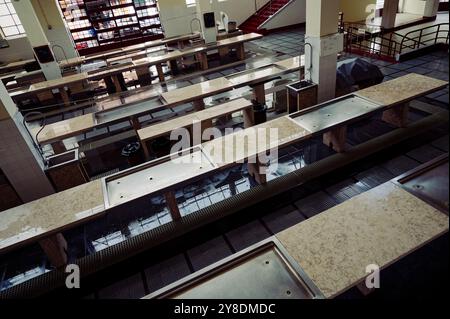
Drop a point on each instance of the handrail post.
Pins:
(420, 39)
(437, 34)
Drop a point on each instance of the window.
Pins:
(96, 23)
(10, 24)
(190, 3)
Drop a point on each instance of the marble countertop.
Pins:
(16, 64)
(377, 227)
(63, 129)
(50, 214)
(402, 89)
(197, 91)
(166, 127)
(236, 147)
(141, 46)
(219, 85)
(293, 63)
(57, 83)
(80, 124)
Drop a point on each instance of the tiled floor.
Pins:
(293, 207)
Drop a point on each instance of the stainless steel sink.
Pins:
(127, 110)
(262, 271)
(155, 177)
(338, 111)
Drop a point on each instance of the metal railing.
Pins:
(372, 42)
(375, 40)
(427, 36)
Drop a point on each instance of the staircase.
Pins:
(268, 10)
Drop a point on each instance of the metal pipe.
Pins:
(199, 23)
(62, 49)
(133, 246)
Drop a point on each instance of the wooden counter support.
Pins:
(249, 117)
(146, 150)
(55, 247)
(135, 123)
(397, 116)
(116, 82)
(144, 76)
(240, 51)
(202, 57)
(199, 105)
(58, 147)
(255, 170)
(259, 93)
(65, 96)
(336, 138)
(160, 71)
(172, 204)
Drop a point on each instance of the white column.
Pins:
(322, 34)
(431, 8)
(36, 35)
(390, 11)
(209, 34)
(19, 160)
(56, 31)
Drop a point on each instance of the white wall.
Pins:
(293, 13)
(412, 6)
(176, 16)
(426, 8)
(19, 49)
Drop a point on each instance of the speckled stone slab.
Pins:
(377, 227)
(50, 214)
(402, 89)
(241, 145)
(60, 130)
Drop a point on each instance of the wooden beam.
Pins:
(55, 247)
(240, 52)
(160, 72)
(259, 93)
(65, 96)
(254, 169)
(144, 76)
(202, 57)
(199, 105)
(58, 147)
(249, 117)
(135, 123)
(172, 204)
(336, 138)
(116, 82)
(397, 116)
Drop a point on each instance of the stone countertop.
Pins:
(219, 85)
(50, 214)
(377, 227)
(64, 129)
(197, 91)
(236, 147)
(293, 63)
(57, 83)
(166, 127)
(402, 89)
